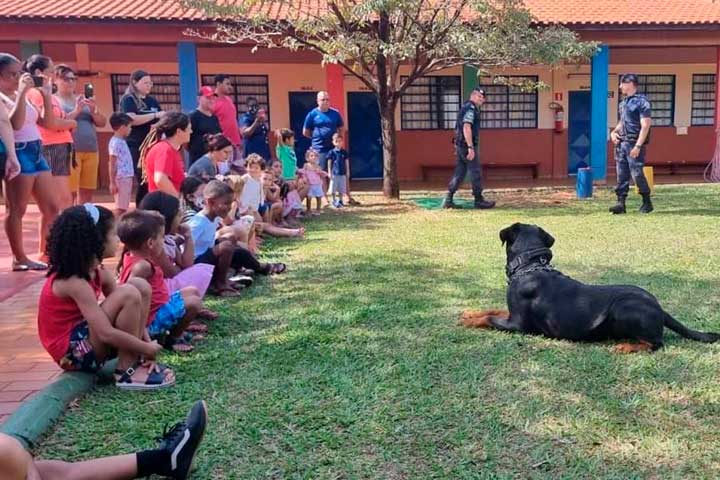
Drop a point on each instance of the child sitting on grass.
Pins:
(192, 199)
(292, 202)
(314, 176)
(143, 234)
(178, 261)
(77, 332)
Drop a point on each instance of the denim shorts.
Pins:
(316, 191)
(31, 158)
(168, 316)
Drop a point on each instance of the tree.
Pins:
(372, 39)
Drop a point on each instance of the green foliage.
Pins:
(352, 366)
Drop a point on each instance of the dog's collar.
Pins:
(531, 261)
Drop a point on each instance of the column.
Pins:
(469, 80)
(335, 86)
(600, 69)
(717, 89)
(188, 70)
(29, 48)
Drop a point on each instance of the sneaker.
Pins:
(182, 441)
(340, 204)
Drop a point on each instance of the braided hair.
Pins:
(77, 240)
(167, 127)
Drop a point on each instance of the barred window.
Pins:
(509, 106)
(660, 90)
(431, 103)
(703, 99)
(246, 86)
(166, 90)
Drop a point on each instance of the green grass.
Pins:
(351, 366)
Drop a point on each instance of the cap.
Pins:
(207, 92)
(629, 78)
(479, 89)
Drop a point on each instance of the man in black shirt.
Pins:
(467, 132)
(203, 122)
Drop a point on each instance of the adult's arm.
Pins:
(645, 124)
(163, 183)
(248, 130)
(308, 125)
(128, 106)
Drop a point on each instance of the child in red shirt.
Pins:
(78, 332)
(143, 233)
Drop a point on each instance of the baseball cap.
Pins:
(207, 92)
(629, 78)
(479, 89)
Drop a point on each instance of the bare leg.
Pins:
(18, 194)
(193, 305)
(62, 191)
(86, 196)
(15, 462)
(121, 467)
(223, 252)
(283, 232)
(46, 199)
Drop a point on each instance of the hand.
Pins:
(47, 85)
(470, 155)
(152, 349)
(90, 103)
(113, 188)
(25, 83)
(614, 137)
(12, 167)
(79, 104)
(184, 230)
(261, 115)
(635, 152)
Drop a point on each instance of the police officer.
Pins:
(631, 136)
(467, 128)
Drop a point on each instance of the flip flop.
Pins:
(24, 267)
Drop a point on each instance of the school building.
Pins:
(674, 45)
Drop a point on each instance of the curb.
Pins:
(35, 416)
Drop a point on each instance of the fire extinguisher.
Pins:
(558, 116)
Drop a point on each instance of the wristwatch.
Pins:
(638, 146)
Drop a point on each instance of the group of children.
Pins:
(175, 250)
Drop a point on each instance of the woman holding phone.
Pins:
(144, 110)
(35, 178)
(84, 110)
(55, 132)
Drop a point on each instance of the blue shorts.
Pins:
(80, 355)
(168, 316)
(264, 207)
(31, 159)
(316, 191)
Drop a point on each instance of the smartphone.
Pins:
(89, 90)
(38, 80)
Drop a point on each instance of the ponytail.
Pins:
(167, 127)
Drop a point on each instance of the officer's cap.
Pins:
(479, 89)
(629, 78)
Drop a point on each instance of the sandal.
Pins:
(178, 345)
(208, 314)
(243, 280)
(155, 380)
(225, 292)
(277, 268)
(354, 202)
(24, 267)
(197, 327)
(190, 337)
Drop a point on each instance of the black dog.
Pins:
(543, 301)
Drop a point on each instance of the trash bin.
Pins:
(648, 171)
(584, 186)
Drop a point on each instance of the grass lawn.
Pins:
(351, 366)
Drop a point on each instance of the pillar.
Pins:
(717, 88)
(29, 48)
(469, 80)
(600, 69)
(335, 86)
(188, 70)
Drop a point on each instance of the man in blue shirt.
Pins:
(320, 125)
(630, 136)
(254, 129)
(467, 157)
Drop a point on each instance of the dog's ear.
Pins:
(547, 239)
(509, 234)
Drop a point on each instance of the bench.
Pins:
(675, 164)
(484, 165)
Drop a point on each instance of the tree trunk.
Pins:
(391, 185)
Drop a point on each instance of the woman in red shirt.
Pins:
(160, 155)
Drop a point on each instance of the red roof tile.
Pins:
(606, 12)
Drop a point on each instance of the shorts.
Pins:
(316, 191)
(338, 184)
(124, 193)
(264, 207)
(167, 316)
(323, 161)
(60, 157)
(31, 158)
(84, 174)
(80, 355)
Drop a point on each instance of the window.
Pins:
(431, 103)
(509, 106)
(703, 100)
(246, 86)
(166, 90)
(660, 90)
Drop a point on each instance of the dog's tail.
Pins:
(680, 329)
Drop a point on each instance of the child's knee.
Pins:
(193, 303)
(142, 286)
(129, 294)
(14, 459)
(190, 292)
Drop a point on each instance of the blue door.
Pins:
(300, 105)
(366, 147)
(578, 131)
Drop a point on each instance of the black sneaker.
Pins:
(483, 204)
(182, 441)
(449, 204)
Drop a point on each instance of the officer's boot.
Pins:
(483, 204)
(448, 202)
(619, 207)
(647, 205)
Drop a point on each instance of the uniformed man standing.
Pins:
(467, 129)
(631, 136)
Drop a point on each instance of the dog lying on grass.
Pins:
(543, 301)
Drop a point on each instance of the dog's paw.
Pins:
(632, 347)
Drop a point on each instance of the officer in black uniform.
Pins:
(631, 136)
(467, 130)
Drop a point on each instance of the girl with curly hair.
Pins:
(77, 331)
